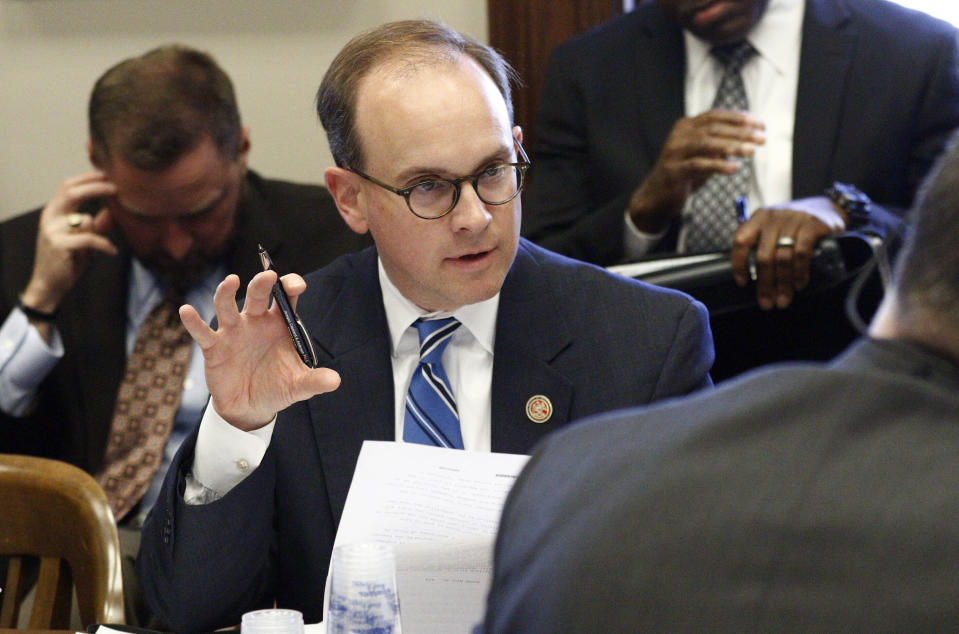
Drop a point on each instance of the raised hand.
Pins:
(696, 148)
(252, 368)
(67, 239)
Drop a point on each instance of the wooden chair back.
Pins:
(56, 513)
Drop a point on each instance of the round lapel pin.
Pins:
(539, 409)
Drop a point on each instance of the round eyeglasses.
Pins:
(432, 198)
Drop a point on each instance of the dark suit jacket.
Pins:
(297, 224)
(587, 340)
(810, 498)
(878, 96)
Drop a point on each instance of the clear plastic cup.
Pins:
(272, 621)
(363, 596)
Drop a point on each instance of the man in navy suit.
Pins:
(799, 498)
(428, 161)
(863, 92)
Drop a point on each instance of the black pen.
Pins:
(301, 338)
(741, 215)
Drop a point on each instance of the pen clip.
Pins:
(308, 341)
(301, 338)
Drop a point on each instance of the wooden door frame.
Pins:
(525, 31)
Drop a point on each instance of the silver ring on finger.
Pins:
(785, 242)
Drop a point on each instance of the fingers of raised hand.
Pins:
(313, 382)
(258, 293)
(197, 327)
(224, 302)
(294, 285)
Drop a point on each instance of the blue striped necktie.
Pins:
(431, 417)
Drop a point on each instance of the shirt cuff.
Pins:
(638, 243)
(25, 361)
(224, 456)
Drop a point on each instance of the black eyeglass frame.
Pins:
(405, 192)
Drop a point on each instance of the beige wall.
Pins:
(51, 52)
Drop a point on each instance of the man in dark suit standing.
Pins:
(798, 498)
(633, 135)
(169, 208)
(429, 161)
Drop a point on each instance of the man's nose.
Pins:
(176, 241)
(470, 213)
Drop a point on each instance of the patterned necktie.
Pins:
(710, 218)
(431, 417)
(146, 405)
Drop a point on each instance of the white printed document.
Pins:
(440, 508)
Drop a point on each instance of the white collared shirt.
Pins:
(225, 455)
(468, 360)
(771, 79)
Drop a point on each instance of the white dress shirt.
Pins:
(771, 79)
(225, 455)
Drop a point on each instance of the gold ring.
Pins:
(74, 220)
(785, 242)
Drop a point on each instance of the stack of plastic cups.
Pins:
(363, 596)
(272, 622)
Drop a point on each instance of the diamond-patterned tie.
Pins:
(710, 218)
(147, 401)
(431, 417)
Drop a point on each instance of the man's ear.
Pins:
(244, 146)
(93, 160)
(342, 185)
(518, 133)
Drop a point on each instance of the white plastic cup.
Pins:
(363, 596)
(272, 621)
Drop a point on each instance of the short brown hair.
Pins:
(415, 41)
(150, 110)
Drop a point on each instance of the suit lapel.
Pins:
(352, 337)
(827, 41)
(657, 81)
(99, 354)
(529, 335)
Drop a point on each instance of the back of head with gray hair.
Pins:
(926, 276)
